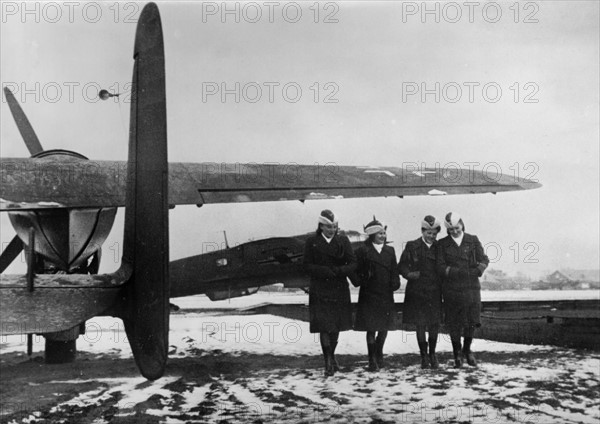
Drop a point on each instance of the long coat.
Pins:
(328, 265)
(461, 288)
(423, 295)
(378, 279)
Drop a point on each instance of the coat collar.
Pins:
(423, 244)
(374, 256)
(449, 243)
(321, 239)
(331, 247)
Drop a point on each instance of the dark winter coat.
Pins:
(423, 295)
(328, 265)
(461, 267)
(378, 279)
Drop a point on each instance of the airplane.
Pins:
(62, 206)
(241, 270)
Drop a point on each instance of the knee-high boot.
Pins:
(457, 353)
(379, 342)
(467, 352)
(432, 356)
(424, 358)
(328, 356)
(336, 366)
(373, 366)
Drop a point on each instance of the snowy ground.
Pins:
(201, 301)
(264, 369)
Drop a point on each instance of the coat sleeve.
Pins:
(314, 270)
(394, 277)
(481, 258)
(349, 266)
(444, 269)
(360, 274)
(405, 261)
(440, 261)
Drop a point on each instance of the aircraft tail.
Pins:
(146, 239)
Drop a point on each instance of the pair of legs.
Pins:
(428, 359)
(329, 342)
(455, 333)
(375, 342)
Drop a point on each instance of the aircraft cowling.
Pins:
(65, 237)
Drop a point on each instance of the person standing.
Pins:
(423, 296)
(378, 279)
(461, 261)
(329, 259)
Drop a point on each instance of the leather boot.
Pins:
(424, 358)
(336, 366)
(432, 357)
(373, 366)
(379, 352)
(327, 355)
(456, 351)
(467, 352)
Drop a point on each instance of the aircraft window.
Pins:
(221, 262)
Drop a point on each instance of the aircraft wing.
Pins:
(32, 183)
(57, 302)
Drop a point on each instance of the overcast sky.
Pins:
(517, 90)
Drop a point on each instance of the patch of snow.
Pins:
(522, 383)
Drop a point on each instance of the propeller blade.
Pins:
(25, 128)
(11, 252)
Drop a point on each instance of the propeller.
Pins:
(34, 146)
(25, 128)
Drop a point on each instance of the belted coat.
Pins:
(378, 278)
(423, 295)
(328, 265)
(461, 267)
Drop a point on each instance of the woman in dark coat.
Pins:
(423, 296)
(461, 261)
(378, 279)
(329, 259)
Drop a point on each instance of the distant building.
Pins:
(557, 277)
(569, 279)
(495, 279)
(583, 275)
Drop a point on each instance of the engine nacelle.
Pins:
(65, 237)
